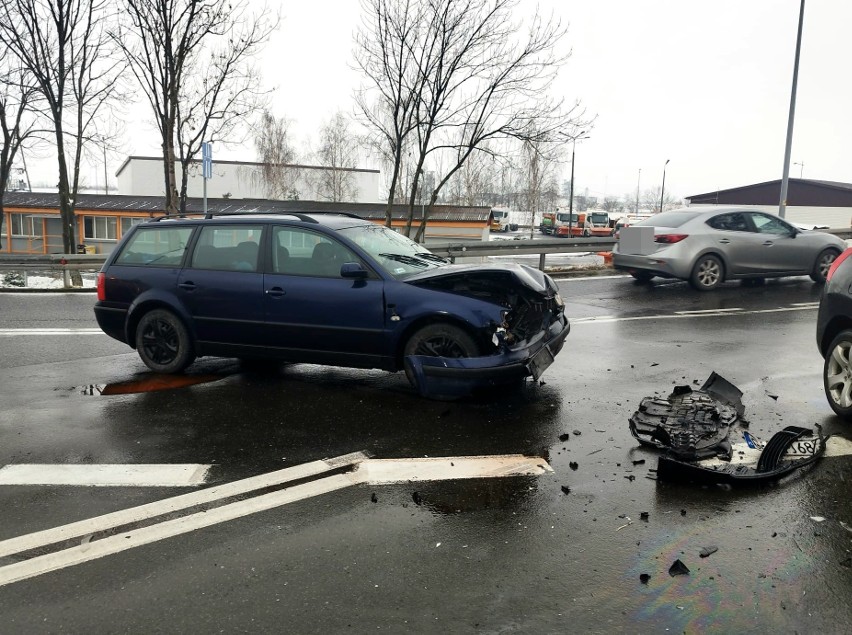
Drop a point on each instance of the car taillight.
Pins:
(669, 239)
(101, 286)
(836, 263)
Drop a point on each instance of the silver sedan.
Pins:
(707, 247)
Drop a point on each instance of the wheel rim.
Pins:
(825, 264)
(708, 273)
(160, 341)
(838, 375)
(440, 346)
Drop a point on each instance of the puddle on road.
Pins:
(151, 383)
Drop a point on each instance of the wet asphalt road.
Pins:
(489, 555)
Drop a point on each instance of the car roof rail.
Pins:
(302, 216)
(167, 216)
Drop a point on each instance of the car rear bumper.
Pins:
(654, 263)
(450, 378)
(112, 321)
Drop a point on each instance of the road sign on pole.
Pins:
(207, 160)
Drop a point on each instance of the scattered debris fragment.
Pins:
(374, 498)
(564, 437)
(573, 465)
(678, 568)
(693, 428)
(639, 462)
(708, 551)
(775, 397)
(818, 519)
(577, 433)
(566, 489)
(644, 515)
(627, 524)
(654, 364)
(644, 577)
(630, 477)
(418, 500)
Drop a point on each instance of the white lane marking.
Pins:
(608, 319)
(814, 305)
(175, 503)
(51, 331)
(105, 475)
(700, 311)
(374, 472)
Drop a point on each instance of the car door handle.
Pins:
(275, 292)
(724, 241)
(768, 243)
(188, 286)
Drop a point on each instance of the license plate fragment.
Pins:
(539, 362)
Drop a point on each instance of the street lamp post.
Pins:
(663, 188)
(638, 181)
(782, 205)
(571, 200)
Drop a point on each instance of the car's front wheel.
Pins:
(823, 263)
(163, 342)
(440, 340)
(837, 375)
(707, 273)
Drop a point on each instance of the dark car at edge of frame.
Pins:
(329, 289)
(834, 335)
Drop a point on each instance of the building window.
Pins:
(99, 227)
(25, 225)
(127, 222)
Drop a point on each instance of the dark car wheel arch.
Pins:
(137, 312)
(417, 325)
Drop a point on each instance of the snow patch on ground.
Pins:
(44, 280)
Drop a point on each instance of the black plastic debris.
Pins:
(374, 498)
(417, 498)
(573, 465)
(690, 424)
(753, 462)
(566, 489)
(565, 436)
(708, 551)
(644, 577)
(678, 568)
(644, 515)
(639, 462)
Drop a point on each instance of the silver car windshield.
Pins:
(668, 219)
(399, 255)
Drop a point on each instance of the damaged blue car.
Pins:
(326, 288)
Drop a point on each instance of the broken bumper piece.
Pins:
(690, 424)
(752, 462)
(452, 378)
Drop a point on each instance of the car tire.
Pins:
(707, 273)
(823, 264)
(163, 343)
(837, 375)
(440, 340)
(642, 276)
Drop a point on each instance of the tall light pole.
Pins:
(801, 165)
(782, 206)
(638, 180)
(663, 188)
(571, 201)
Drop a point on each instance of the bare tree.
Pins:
(337, 154)
(613, 204)
(64, 48)
(540, 161)
(651, 199)
(18, 98)
(193, 60)
(276, 155)
(468, 73)
(384, 52)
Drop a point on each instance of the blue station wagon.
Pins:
(325, 289)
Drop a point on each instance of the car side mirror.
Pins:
(353, 270)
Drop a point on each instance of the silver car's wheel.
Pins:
(823, 263)
(707, 273)
(837, 375)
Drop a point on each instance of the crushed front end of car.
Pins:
(525, 328)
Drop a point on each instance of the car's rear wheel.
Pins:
(823, 264)
(440, 340)
(163, 343)
(707, 273)
(837, 375)
(642, 276)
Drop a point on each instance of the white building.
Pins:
(144, 176)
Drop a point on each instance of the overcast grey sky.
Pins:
(703, 83)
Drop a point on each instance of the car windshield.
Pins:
(667, 219)
(567, 218)
(400, 256)
(602, 219)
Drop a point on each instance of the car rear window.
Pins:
(667, 219)
(155, 246)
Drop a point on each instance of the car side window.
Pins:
(767, 224)
(227, 248)
(301, 252)
(158, 246)
(733, 222)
